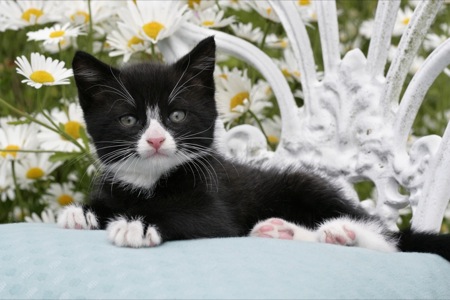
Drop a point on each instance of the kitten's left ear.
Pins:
(200, 62)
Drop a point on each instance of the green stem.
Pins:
(266, 32)
(17, 189)
(32, 119)
(260, 127)
(33, 151)
(153, 51)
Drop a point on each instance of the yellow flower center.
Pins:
(273, 139)
(283, 44)
(224, 76)
(65, 199)
(72, 128)
(238, 99)
(304, 2)
(11, 151)
(57, 33)
(42, 77)
(81, 13)
(152, 29)
(208, 23)
(296, 73)
(269, 11)
(286, 72)
(134, 41)
(35, 173)
(406, 20)
(32, 12)
(192, 3)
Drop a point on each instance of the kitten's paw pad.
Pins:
(125, 233)
(74, 217)
(274, 228)
(337, 233)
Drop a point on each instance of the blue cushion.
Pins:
(43, 261)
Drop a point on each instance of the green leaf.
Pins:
(65, 156)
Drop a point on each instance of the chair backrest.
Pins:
(353, 125)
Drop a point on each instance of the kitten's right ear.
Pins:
(89, 71)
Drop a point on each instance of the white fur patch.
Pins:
(73, 217)
(125, 233)
(143, 171)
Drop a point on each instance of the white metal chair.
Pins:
(354, 113)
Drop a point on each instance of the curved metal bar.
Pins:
(410, 42)
(436, 190)
(248, 52)
(301, 47)
(381, 38)
(329, 34)
(414, 94)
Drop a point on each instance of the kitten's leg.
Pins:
(359, 233)
(135, 233)
(77, 217)
(281, 229)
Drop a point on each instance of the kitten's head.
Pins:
(148, 118)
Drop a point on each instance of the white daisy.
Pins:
(64, 44)
(307, 10)
(366, 28)
(199, 4)
(432, 41)
(236, 95)
(154, 20)
(235, 4)
(36, 166)
(402, 21)
(289, 66)
(54, 34)
(272, 128)
(19, 14)
(47, 216)
(72, 121)
(125, 42)
(276, 42)
(211, 18)
(264, 8)
(43, 71)
(6, 181)
(246, 31)
(60, 195)
(16, 137)
(77, 12)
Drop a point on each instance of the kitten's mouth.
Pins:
(153, 154)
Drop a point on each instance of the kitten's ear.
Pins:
(90, 72)
(200, 62)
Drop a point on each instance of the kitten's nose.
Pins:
(156, 142)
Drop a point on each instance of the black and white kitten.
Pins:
(153, 127)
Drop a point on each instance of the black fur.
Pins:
(187, 203)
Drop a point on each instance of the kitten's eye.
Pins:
(177, 116)
(128, 120)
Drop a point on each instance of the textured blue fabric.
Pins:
(43, 261)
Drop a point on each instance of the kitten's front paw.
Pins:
(125, 233)
(74, 217)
